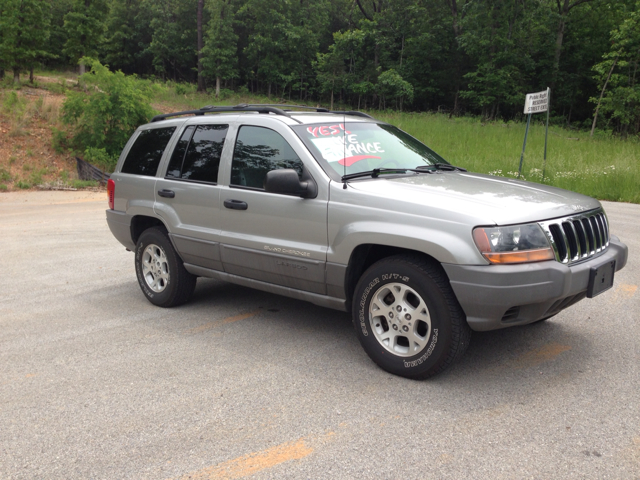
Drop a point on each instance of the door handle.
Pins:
(235, 204)
(167, 193)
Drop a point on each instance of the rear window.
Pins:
(146, 152)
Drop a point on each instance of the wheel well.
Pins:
(363, 256)
(140, 223)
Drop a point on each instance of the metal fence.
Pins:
(86, 171)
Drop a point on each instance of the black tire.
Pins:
(406, 284)
(160, 271)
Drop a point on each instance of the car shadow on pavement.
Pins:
(530, 354)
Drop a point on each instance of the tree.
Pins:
(127, 29)
(220, 52)
(391, 85)
(199, 23)
(23, 44)
(564, 7)
(331, 70)
(105, 117)
(620, 65)
(266, 50)
(501, 38)
(173, 37)
(84, 26)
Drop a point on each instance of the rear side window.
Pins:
(258, 151)
(197, 153)
(145, 153)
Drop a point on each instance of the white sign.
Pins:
(537, 102)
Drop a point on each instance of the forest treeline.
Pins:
(457, 56)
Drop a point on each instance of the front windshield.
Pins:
(361, 147)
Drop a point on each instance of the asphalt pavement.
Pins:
(95, 382)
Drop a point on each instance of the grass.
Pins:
(84, 183)
(603, 167)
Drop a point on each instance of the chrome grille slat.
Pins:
(596, 233)
(589, 231)
(578, 237)
(582, 238)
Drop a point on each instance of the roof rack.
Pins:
(260, 108)
(243, 107)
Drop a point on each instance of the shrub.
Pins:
(3, 187)
(59, 140)
(22, 185)
(100, 158)
(108, 113)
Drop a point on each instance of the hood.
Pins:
(497, 200)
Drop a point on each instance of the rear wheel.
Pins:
(408, 319)
(160, 271)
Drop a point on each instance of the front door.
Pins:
(279, 239)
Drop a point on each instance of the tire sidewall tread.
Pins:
(181, 283)
(450, 333)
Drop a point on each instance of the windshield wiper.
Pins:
(375, 173)
(442, 167)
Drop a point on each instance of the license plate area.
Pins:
(601, 278)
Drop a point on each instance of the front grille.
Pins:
(578, 237)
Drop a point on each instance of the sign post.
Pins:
(535, 103)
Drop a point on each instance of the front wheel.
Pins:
(160, 271)
(408, 319)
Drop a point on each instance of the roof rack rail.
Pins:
(355, 113)
(259, 107)
(243, 107)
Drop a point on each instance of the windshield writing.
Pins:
(360, 147)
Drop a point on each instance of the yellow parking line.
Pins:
(540, 355)
(253, 462)
(628, 290)
(217, 323)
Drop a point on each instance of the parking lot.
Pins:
(95, 382)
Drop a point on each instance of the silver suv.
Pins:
(351, 213)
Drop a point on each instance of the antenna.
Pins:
(344, 148)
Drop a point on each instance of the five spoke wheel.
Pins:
(400, 319)
(155, 268)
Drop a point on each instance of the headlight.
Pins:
(514, 244)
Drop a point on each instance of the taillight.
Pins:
(111, 192)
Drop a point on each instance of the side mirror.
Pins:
(286, 181)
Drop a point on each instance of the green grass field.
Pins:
(602, 167)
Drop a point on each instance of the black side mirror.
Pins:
(286, 181)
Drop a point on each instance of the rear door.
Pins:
(279, 239)
(188, 196)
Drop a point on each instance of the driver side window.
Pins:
(259, 150)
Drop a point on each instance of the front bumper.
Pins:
(499, 296)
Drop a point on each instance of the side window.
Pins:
(259, 150)
(197, 153)
(145, 153)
